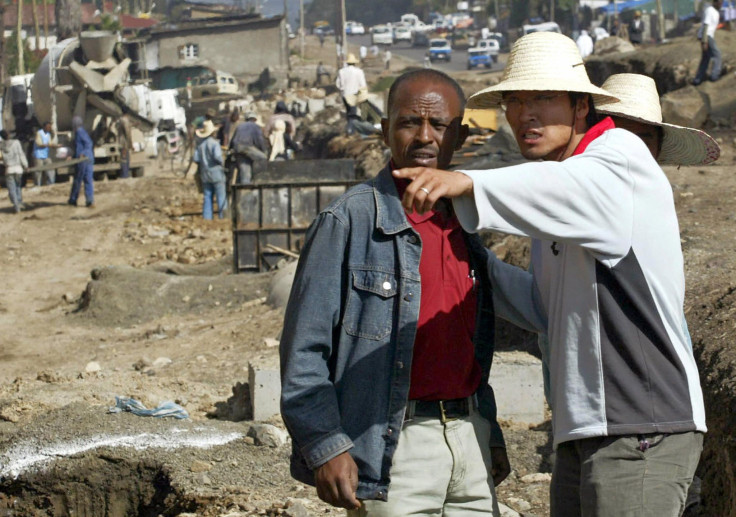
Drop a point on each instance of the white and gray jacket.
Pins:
(608, 282)
(13, 156)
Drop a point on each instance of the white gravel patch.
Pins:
(31, 455)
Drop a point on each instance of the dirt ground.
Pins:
(134, 298)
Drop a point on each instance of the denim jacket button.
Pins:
(400, 365)
(413, 239)
(408, 297)
(390, 431)
(386, 285)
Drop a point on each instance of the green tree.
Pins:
(109, 22)
(31, 60)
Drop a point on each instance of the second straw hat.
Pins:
(639, 101)
(542, 61)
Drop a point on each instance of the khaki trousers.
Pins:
(612, 476)
(440, 470)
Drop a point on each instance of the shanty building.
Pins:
(242, 45)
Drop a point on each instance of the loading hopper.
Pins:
(98, 45)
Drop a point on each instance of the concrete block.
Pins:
(265, 391)
(280, 287)
(516, 378)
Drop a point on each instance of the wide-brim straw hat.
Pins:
(351, 60)
(639, 101)
(542, 61)
(206, 130)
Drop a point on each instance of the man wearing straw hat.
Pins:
(351, 83)
(607, 284)
(208, 157)
(639, 111)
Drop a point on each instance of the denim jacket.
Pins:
(208, 155)
(348, 337)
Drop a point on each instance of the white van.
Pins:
(382, 35)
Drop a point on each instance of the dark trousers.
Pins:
(713, 53)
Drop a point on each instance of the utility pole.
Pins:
(301, 26)
(551, 10)
(45, 24)
(660, 20)
(36, 27)
(19, 27)
(3, 54)
(342, 46)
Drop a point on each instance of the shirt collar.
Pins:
(593, 133)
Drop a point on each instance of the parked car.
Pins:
(402, 34)
(322, 27)
(479, 57)
(491, 47)
(352, 28)
(439, 49)
(381, 35)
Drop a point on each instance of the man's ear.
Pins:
(462, 135)
(582, 107)
(384, 131)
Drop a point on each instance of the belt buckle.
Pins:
(443, 415)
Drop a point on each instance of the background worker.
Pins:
(627, 407)
(636, 29)
(249, 146)
(639, 111)
(15, 165)
(350, 81)
(388, 337)
(84, 175)
(125, 141)
(208, 157)
(43, 141)
(710, 51)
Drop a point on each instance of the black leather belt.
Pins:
(444, 410)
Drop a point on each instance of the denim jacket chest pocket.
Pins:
(370, 305)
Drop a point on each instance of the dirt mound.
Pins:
(672, 64)
(120, 296)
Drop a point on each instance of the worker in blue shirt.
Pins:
(83, 148)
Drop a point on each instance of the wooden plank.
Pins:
(56, 165)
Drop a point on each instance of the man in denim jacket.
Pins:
(388, 337)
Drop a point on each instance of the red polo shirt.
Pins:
(444, 365)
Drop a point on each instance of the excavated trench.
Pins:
(94, 486)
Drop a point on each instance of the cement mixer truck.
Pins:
(89, 76)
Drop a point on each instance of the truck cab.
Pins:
(439, 49)
(478, 57)
(491, 47)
